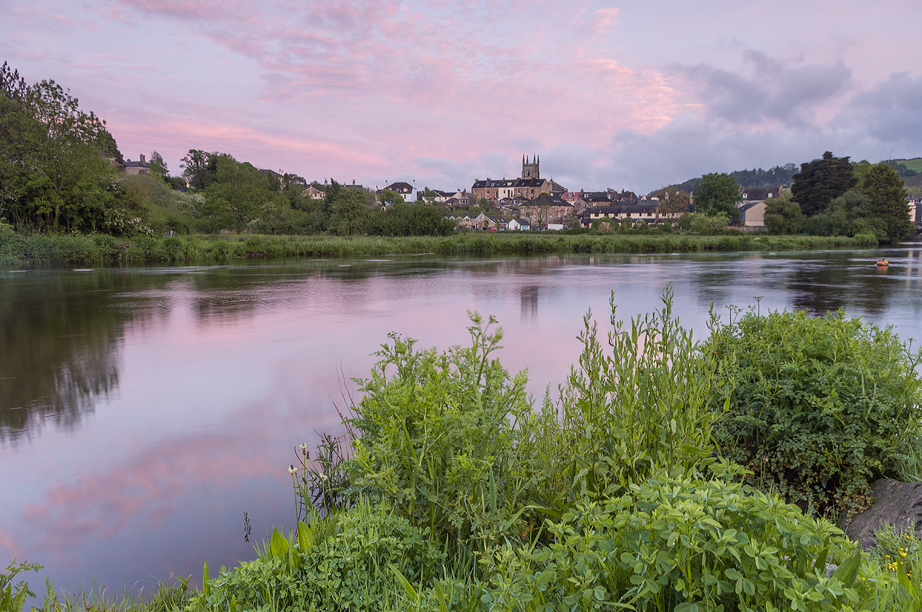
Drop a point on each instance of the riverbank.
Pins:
(101, 250)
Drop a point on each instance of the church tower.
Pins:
(530, 170)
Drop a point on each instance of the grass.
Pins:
(101, 250)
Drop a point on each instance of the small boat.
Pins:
(882, 263)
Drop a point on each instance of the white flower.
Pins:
(292, 470)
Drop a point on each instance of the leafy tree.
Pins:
(783, 216)
(410, 219)
(52, 170)
(887, 194)
(821, 181)
(718, 193)
(388, 197)
(350, 210)
(236, 195)
(847, 215)
(199, 167)
(158, 167)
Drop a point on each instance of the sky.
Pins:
(628, 95)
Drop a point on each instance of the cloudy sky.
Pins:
(627, 94)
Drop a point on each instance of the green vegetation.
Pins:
(452, 491)
(817, 409)
(99, 250)
(717, 194)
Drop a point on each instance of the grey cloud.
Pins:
(773, 91)
(891, 113)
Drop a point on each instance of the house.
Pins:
(915, 208)
(752, 214)
(518, 225)
(545, 209)
(137, 167)
(406, 190)
(647, 211)
(313, 193)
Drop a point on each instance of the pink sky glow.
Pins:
(631, 94)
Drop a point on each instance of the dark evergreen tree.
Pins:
(821, 181)
(887, 193)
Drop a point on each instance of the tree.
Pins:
(783, 216)
(158, 167)
(350, 209)
(388, 198)
(236, 195)
(52, 170)
(672, 202)
(199, 167)
(718, 193)
(821, 181)
(887, 194)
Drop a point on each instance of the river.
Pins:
(144, 410)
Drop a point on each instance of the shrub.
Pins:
(817, 407)
(646, 404)
(680, 544)
(451, 442)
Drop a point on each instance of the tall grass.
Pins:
(99, 250)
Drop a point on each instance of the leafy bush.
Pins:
(341, 563)
(681, 544)
(646, 404)
(451, 442)
(817, 407)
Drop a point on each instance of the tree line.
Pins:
(59, 174)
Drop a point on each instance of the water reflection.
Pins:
(60, 336)
(201, 380)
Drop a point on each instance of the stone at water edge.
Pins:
(895, 503)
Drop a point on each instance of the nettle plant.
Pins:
(817, 408)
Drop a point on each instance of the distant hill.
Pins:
(909, 169)
(757, 177)
(912, 164)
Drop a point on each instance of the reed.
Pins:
(102, 250)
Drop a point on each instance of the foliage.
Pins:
(451, 442)
(884, 188)
(408, 219)
(821, 181)
(17, 249)
(13, 600)
(817, 408)
(717, 194)
(339, 563)
(646, 405)
(757, 177)
(848, 215)
(783, 216)
(672, 202)
(680, 544)
(238, 194)
(52, 171)
(701, 224)
(350, 208)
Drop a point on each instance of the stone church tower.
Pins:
(530, 170)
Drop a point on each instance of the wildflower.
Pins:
(304, 449)
(292, 470)
(892, 565)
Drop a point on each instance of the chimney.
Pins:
(142, 158)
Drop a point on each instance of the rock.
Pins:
(895, 503)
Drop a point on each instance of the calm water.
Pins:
(142, 411)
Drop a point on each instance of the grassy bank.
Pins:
(101, 250)
(453, 490)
